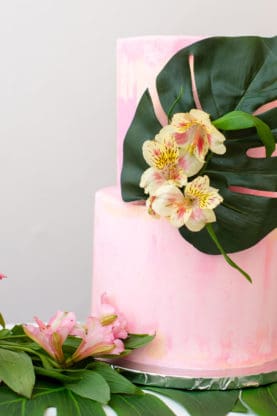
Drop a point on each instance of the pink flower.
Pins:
(109, 315)
(2, 276)
(101, 335)
(51, 336)
(97, 340)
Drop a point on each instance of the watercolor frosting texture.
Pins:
(208, 319)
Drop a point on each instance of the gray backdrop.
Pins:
(57, 130)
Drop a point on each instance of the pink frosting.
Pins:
(205, 314)
(208, 319)
(139, 60)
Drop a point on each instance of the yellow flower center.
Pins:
(166, 156)
(202, 198)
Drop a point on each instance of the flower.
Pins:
(99, 335)
(102, 334)
(193, 208)
(109, 315)
(51, 336)
(195, 135)
(96, 340)
(2, 276)
(166, 163)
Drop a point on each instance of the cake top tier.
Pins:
(202, 135)
(139, 60)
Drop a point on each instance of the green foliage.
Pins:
(200, 403)
(92, 386)
(117, 383)
(143, 405)
(45, 396)
(262, 400)
(17, 372)
(237, 120)
(232, 74)
(100, 383)
(135, 341)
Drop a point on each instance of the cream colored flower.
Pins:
(163, 157)
(169, 202)
(203, 200)
(195, 135)
(193, 208)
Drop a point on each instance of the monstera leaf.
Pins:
(230, 74)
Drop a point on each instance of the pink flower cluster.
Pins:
(100, 335)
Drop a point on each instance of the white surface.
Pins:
(57, 130)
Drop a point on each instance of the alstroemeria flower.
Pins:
(204, 199)
(169, 202)
(96, 340)
(109, 315)
(51, 336)
(193, 208)
(195, 134)
(166, 164)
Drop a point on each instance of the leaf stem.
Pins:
(170, 111)
(222, 251)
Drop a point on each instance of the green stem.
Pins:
(226, 257)
(11, 336)
(170, 111)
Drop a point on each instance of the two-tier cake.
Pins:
(209, 320)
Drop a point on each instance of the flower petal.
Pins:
(216, 140)
(200, 116)
(199, 218)
(161, 154)
(151, 180)
(165, 135)
(181, 122)
(205, 197)
(190, 164)
(170, 203)
(97, 339)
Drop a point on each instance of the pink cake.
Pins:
(208, 319)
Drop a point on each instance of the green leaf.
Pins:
(262, 400)
(117, 383)
(237, 120)
(137, 340)
(60, 375)
(231, 73)
(144, 126)
(47, 395)
(91, 386)
(4, 333)
(223, 86)
(16, 370)
(239, 407)
(143, 405)
(2, 321)
(199, 403)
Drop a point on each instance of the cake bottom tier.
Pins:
(208, 319)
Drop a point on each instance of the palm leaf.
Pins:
(231, 74)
